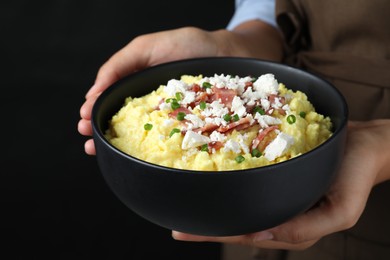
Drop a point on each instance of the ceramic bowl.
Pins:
(222, 203)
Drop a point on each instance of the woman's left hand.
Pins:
(366, 163)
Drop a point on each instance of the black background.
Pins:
(54, 202)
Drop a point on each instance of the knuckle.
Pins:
(296, 237)
(349, 217)
(290, 235)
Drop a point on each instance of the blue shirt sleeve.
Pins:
(246, 10)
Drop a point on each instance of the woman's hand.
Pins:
(366, 163)
(251, 39)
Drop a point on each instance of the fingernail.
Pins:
(263, 235)
(175, 234)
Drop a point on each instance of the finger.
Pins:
(272, 244)
(261, 239)
(312, 225)
(124, 62)
(84, 127)
(328, 217)
(86, 108)
(197, 238)
(309, 226)
(89, 147)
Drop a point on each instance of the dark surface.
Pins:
(54, 202)
(230, 202)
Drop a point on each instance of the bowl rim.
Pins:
(98, 133)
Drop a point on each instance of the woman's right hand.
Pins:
(188, 42)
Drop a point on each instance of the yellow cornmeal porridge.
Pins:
(218, 123)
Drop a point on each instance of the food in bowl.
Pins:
(220, 203)
(218, 123)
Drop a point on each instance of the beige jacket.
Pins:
(347, 43)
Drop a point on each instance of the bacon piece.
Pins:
(248, 84)
(225, 95)
(196, 88)
(242, 126)
(174, 113)
(202, 97)
(282, 111)
(216, 145)
(272, 99)
(239, 125)
(264, 138)
(207, 128)
(180, 109)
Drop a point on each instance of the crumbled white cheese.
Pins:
(286, 108)
(217, 137)
(195, 120)
(266, 120)
(164, 106)
(233, 146)
(219, 80)
(193, 139)
(229, 82)
(173, 86)
(189, 97)
(238, 106)
(265, 103)
(216, 109)
(266, 85)
(251, 119)
(215, 121)
(277, 104)
(244, 147)
(278, 146)
(250, 96)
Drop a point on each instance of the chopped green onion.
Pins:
(240, 159)
(202, 105)
(174, 104)
(259, 110)
(256, 153)
(236, 118)
(174, 131)
(302, 114)
(291, 119)
(204, 148)
(179, 96)
(227, 117)
(180, 116)
(148, 126)
(206, 85)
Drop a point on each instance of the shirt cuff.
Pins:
(253, 10)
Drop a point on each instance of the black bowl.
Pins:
(220, 203)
